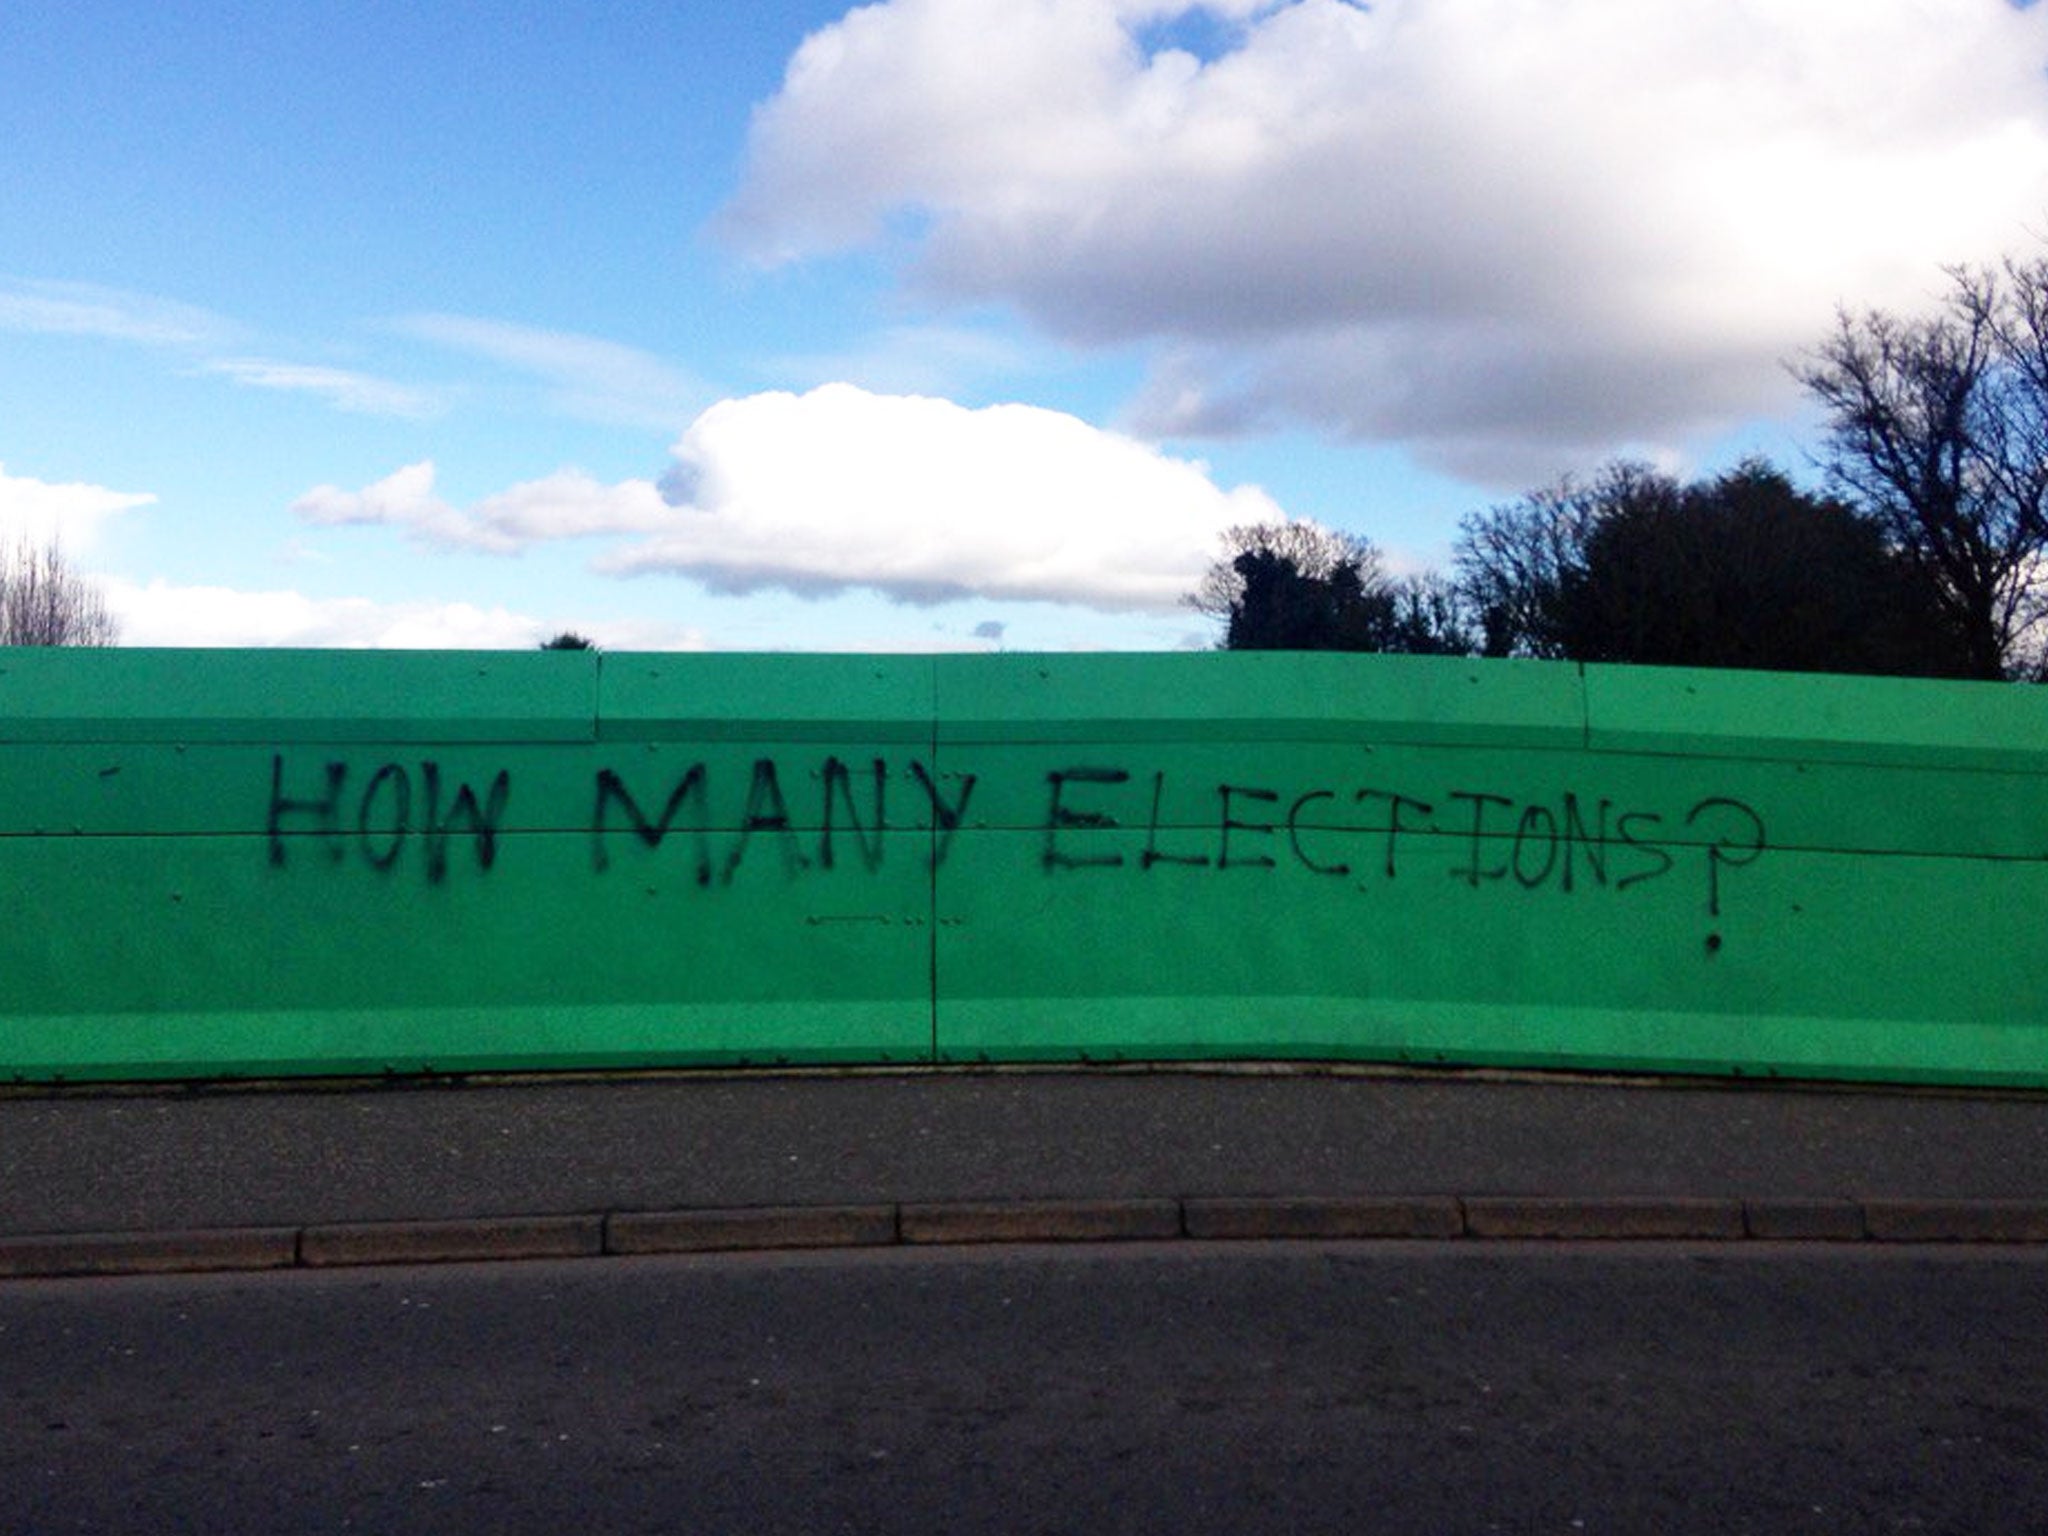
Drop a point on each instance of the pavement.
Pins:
(181, 1178)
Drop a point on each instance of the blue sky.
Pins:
(939, 323)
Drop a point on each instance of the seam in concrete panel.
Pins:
(932, 878)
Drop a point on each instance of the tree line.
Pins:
(45, 601)
(1924, 552)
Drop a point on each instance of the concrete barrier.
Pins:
(263, 863)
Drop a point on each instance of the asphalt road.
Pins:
(1177, 1388)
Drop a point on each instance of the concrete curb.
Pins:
(715, 1231)
(1957, 1221)
(1042, 1221)
(1364, 1217)
(1805, 1220)
(440, 1242)
(1428, 1218)
(149, 1253)
(1622, 1219)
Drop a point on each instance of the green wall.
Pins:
(276, 862)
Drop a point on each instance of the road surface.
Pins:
(1243, 1388)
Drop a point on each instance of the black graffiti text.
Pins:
(380, 816)
(1567, 842)
(853, 814)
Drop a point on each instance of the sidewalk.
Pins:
(177, 1178)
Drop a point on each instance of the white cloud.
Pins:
(358, 393)
(66, 515)
(919, 499)
(87, 309)
(404, 498)
(925, 500)
(587, 377)
(113, 314)
(1495, 229)
(161, 613)
(565, 505)
(571, 505)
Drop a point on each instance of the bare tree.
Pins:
(1938, 427)
(1427, 615)
(1298, 586)
(43, 601)
(1513, 560)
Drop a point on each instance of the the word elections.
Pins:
(1570, 842)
